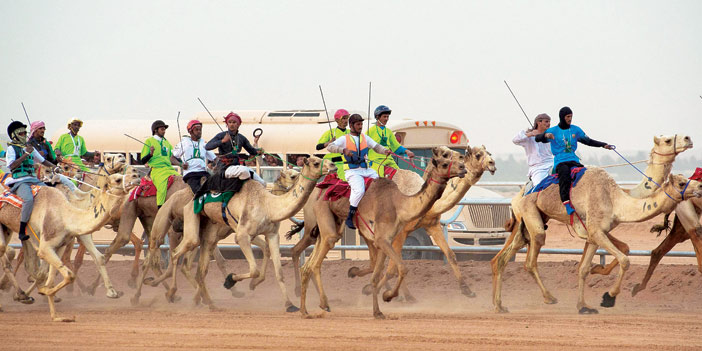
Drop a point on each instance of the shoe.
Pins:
(349, 218)
(23, 237)
(569, 207)
(22, 231)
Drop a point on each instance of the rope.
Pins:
(622, 164)
(642, 173)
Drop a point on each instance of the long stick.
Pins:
(369, 106)
(25, 113)
(331, 133)
(520, 105)
(178, 123)
(220, 128)
(131, 137)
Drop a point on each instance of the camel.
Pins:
(686, 225)
(477, 160)
(600, 206)
(172, 210)
(252, 211)
(56, 221)
(387, 210)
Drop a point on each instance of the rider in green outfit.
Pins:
(385, 137)
(72, 145)
(342, 120)
(157, 153)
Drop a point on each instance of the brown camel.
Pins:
(477, 160)
(387, 210)
(600, 205)
(56, 221)
(253, 211)
(172, 210)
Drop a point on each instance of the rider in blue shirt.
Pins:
(564, 140)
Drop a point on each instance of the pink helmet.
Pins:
(232, 115)
(193, 123)
(340, 113)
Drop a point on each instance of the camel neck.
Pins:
(454, 192)
(414, 206)
(92, 219)
(658, 169)
(288, 204)
(633, 209)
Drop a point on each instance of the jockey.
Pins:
(230, 142)
(21, 158)
(355, 148)
(539, 156)
(156, 153)
(194, 155)
(73, 145)
(341, 117)
(564, 140)
(39, 143)
(383, 135)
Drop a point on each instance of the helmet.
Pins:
(355, 118)
(156, 125)
(75, 119)
(14, 126)
(340, 113)
(381, 110)
(193, 123)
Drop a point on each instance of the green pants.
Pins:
(160, 178)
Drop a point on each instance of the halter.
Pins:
(675, 148)
(682, 193)
(445, 177)
(321, 171)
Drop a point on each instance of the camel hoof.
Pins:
(306, 316)
(254, 283)
(23, 298)
(608, 300)
(214, 308)
(57, 299)
(151, 281)
(550, 300)
(388, 296)
(64, 319)
(588, 310)
(229, 281)
(410, 299)
(379, 315)
(91, 290)
(465, 290)
(42, 290)
(134, 300)
(114, 294)
(353, 272)
(170, 295)
(326, 309)
(636, 289)
(367, 290)
(500, 309)
(292, 308)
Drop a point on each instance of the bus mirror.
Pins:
(400, 136)
(455, 137)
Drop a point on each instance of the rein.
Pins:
(645, 176)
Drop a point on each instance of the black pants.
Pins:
(564, 181)
(193, 179)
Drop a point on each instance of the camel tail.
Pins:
(294, 229)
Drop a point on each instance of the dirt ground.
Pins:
(663, 317)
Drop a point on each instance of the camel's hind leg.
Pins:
(297, 250)
(325, 241)
(606, 270)
(47, 253)
(99, 259)
(135, 265)
(385, 249)
(514, 243)
(599, 237)
(676, 236)
(375, 281)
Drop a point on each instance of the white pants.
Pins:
(539, 172)
(358, 187)
(243, 172)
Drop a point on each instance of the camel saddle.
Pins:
(697, 175)
(8, 197)
(337, 188)
(575, 174)
(147, 188)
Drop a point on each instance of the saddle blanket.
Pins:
(8, 197)
(147, 188)
(575, 174)
(337, 188)
(200, 202)
(697, 175)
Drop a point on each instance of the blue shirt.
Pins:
(564, 143)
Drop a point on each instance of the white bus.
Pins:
(289, 134)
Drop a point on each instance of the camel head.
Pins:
(683, 188)
(68, 167)
(448, 163)
(286, 180)
(121, 184)
(314, 168)
(329, 167)
(114, 163)
(479, 159)
(670, 145)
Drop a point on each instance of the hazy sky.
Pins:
(628, 69)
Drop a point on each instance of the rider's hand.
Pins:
(226, 138)
(410, 154)
(29, 149)
(388, 152)
(532, 133)
(256, 140)
(609, 147)
(549, 136)
(151, 150)
(347, 152)
(184, 165)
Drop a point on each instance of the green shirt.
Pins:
(162, 152)
(384, 137)
(326, 137)
(72, 147)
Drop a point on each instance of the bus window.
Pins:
(297, 159)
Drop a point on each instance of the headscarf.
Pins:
(565, 110)
(34, 126)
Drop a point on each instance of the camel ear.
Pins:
(469, 150)
(436, 151)
(434, 163)
(656, 140)
(307, 161)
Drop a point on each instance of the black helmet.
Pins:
(156, 125)
(14, 126)
(380, 110)
(355, 118)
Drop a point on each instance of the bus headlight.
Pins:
(457, 226)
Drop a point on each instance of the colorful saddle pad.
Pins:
(147, 188)
(337, 188)
(8, 197)
(575, 174)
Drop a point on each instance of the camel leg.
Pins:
(77, 263)
(66, 259)
(297, 250)
(20, 295)
(99, 259)
(222, 266)
(273, 241)
(600, 238)
(20, 259)
(583, 271)
(314, 263)
(244, 240)
(263, 244)
(140, 279)
(187, 267)
(48, 254)
(185, 248)
(606, 270)
(207, 247)
(676, 236)
(375, 281)
(531, 264)
(135, 266)
(438, 235)
(498, 263)
(358, 272)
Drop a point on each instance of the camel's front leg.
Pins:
(273, 241)
(375, 281)
(583, 271)
(385, 246)
(244, 240)
(438, 235)
(531, 265)
(498, 263)
(676, 236)
(298, 250)
(99, 259)
(606, 270)
(47, 253)
(207, 247)
(600, 238)
(138, 243)
(263, 245)
(222, 266)
(313, 266)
